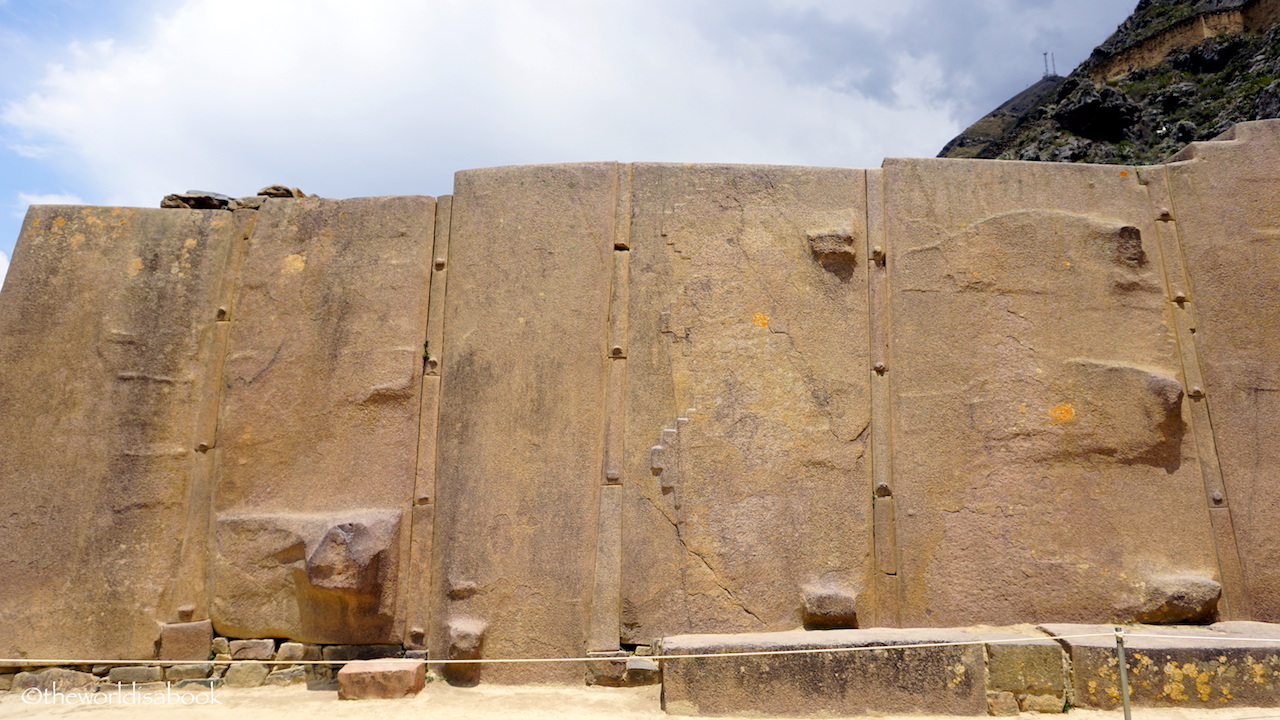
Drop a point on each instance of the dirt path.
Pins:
(486, 702)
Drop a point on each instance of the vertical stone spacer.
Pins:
(1235, 603)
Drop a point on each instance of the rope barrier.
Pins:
(45, 662)
(657, 658)
(1230, 638)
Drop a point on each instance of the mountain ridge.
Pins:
(1173, 72)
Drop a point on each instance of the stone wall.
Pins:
(575, 408)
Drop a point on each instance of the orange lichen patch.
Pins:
(760, 319)
(1062, 413)
(59, 221)
(1124, 173)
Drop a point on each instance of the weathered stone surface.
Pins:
(622, 670)
(1035, 666)
(253, 649)
(642, 671)
(342, 653)
(948, 680)
(373, 679)
(360, 268)
(1209, 666)
(222, 646)
(325, 677)
(281, 191)
(132, 688)
(247, 674)
(186, 641)
(54, 679)
(828, 608)
(520, 451)
(107, 328)
(197, 200)
(135, 674)
(1002, 704)
(292, 675)
(1228, 225)
(292, 651)
(6, 681)
(747, 405)
(1049, 704)
(333, 297)
(1180, 600)
(309, 576)
(199, 684)
(196, 671)
(1041, 461)
(607, 669)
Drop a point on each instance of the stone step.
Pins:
(378, 679)
(1201, 666)
(1003, 671)
(949, 680)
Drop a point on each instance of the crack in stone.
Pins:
(715, 577)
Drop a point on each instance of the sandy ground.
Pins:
(487, 701)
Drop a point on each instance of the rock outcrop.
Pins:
(1175, 71)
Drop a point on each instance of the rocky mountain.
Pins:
(1175, 71)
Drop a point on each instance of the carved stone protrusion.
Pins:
(1129, 247)
(466, 642)
(829, 607)
(1179, 599)
(316, 578)
(346, 558)
(834, 251)
(665, 455)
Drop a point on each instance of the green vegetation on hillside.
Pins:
(1146, 116)
(1151, 113)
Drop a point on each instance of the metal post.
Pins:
(1124, 673)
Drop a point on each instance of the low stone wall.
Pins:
(226, 662)
(996, 671)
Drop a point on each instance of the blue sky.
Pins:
(122, 102)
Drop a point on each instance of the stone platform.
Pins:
(1204, 666)
(996, 671)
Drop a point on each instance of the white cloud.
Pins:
(27, 199)
(876, 15)
(34, 152)
(392, 96)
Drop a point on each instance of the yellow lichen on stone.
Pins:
(294, 264)
(1175, 691)
(1203, 687)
